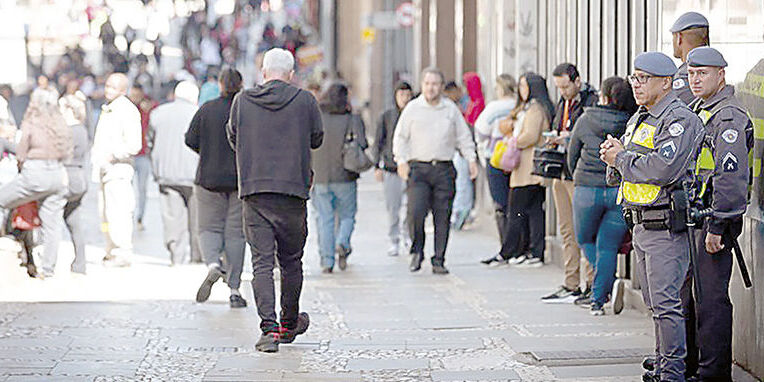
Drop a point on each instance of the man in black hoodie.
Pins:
(272, 128)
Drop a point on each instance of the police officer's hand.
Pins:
(609, 149)
(474, 169)
(713, 243)
(403, 170)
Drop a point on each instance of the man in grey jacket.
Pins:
(174, 167)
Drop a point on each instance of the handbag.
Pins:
(25, 217)
(548, 162)
(506, 155)
(354, 159)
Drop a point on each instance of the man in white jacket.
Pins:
(117, 140)
(174, 166)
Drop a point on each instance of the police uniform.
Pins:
(724, 173)
(661, 145)
(681, 85)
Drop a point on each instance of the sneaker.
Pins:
(116, 262)
(213, 275)
(585, 299)
(139, 226)
(495, 260)
(618, 296)
(236, 301)
(517, 260)
(326, 270)
(439, 270)
(342, 260)
(287, 336)
(562, 296)
(268, 342)
(648, 363)
(393, 250)
(532, 262)
(597, 310)
(650, 376)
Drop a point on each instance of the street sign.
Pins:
(405, 14)
(368, 35)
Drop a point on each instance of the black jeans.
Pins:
(709, 324)
(526, 214)
(276, 226)
(431, 187)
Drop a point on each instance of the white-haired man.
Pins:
(272, 128)
(174, 167)
(117, 140)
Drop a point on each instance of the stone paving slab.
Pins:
(374, 322)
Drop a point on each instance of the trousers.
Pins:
(663, 259)
(395, 200)
(431, 188)
(276, 227)
(562, 191)
(221, 231)
(709, 324)
(44, 181)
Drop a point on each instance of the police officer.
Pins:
(723, 170)
(689, 31)
(658, 149)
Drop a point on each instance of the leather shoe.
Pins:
(416, 262)
(439, 270)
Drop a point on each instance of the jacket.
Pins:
(326, 160)
(591, 129)
(531, 123)
(207, 137)
(272, 129)
(383, 141)
(172, 162)
(117, 139)
(586, 97)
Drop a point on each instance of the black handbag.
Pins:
(548, 162)
(354, 159)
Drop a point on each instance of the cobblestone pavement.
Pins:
(373, 322)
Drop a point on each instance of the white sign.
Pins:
(405, 14)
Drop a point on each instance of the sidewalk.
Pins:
(373, 322)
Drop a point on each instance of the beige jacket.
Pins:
(528, 138)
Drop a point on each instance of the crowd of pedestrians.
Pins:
(228, 178)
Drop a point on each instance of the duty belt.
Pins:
(652, 219)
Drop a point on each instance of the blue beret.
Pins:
(655, 63)
(705, 56)
(689, 20)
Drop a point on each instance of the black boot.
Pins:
(416, 262)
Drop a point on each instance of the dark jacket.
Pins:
(207, 137)
(586, 97)
(591, 129)
(383, 141)
(272, 128)
(327, 159)
(76, 165)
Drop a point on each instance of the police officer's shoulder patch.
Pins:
(730, 136)
(729, 163)
(678, 83)
(676, 129)
(668, 150)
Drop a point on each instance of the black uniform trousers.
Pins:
(431, 188)
(276, 227)
(709, 324)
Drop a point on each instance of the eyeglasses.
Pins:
(639, 79)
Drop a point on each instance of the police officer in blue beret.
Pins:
(689, 32)
(654, 158)
(724, 173)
